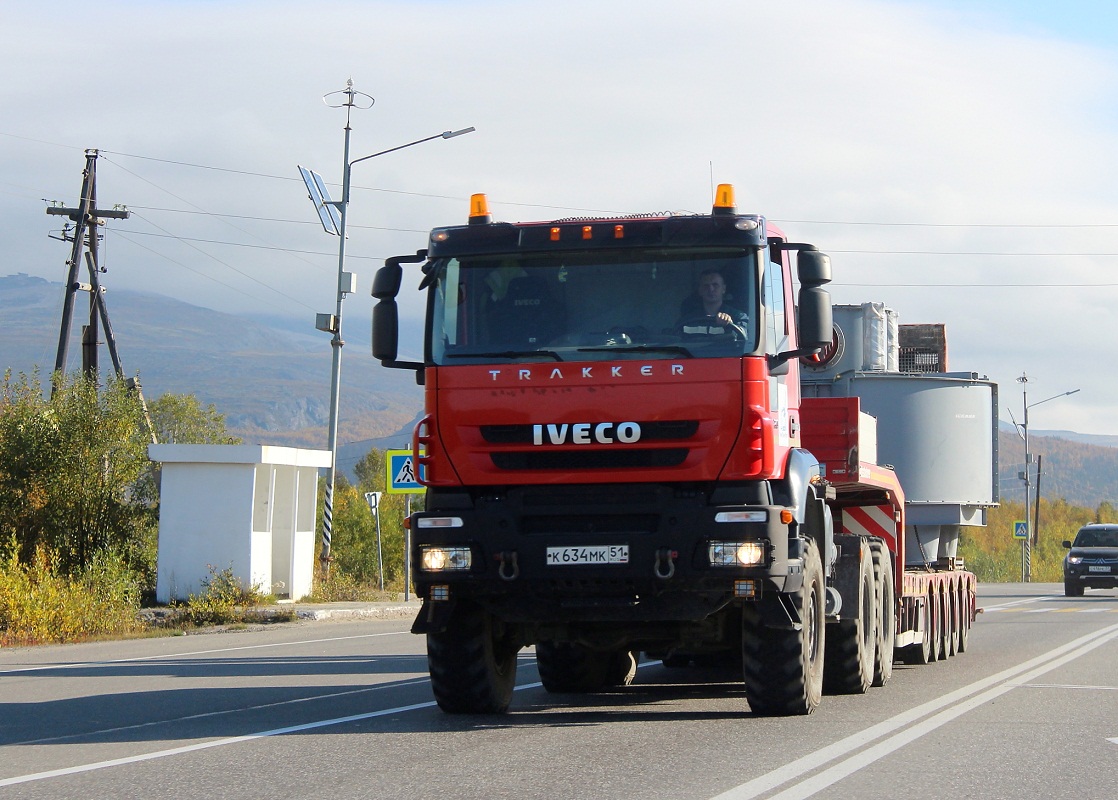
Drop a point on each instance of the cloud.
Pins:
(819, 112)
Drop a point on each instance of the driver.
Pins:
(710, 301)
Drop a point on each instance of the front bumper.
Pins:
(666, 530)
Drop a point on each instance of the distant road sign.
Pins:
(402, 473)
(1020, 529)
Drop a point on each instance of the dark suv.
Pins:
(1092, 560)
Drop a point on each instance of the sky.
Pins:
(956, 158)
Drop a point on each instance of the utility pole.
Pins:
(86, 218)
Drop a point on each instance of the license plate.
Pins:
(597, 554)
(1098, 568)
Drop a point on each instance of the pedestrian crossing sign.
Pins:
(402, 472)
(1020, 529)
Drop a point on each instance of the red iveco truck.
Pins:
(616, 465)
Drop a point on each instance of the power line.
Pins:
(240, 244)
(276, 219)
(231, 287)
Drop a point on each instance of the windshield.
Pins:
(586, 306)
(1099, 537)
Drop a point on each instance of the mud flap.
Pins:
(433, 616)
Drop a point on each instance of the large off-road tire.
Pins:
(783, 669)
(567, 668)
(472, 663)
(849, 655)
(885, 628)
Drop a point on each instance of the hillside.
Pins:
(1083, 474)
(272, 385)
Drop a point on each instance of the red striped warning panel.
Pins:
(870, 521)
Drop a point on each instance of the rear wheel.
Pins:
(472, 662)
(850, 647)
(569, 668)
(783, 668)
(885, 628)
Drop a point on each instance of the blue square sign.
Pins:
(402, 472)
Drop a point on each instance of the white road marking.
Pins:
(955, 702)
(164, 656)
(192, 748)
(1021, 602)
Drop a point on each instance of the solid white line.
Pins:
(207, 714)
(191, 748)
(134, 659)
(839, 771)
(1024, 601)
(805, 764)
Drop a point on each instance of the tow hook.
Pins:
(509, 570)
(664, 568)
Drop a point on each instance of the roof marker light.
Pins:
(724, 199)
(587, 232)
(618, 231)
(554, 234)
(479, 210)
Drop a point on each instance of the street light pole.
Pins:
(346, 285)
(1027, 562)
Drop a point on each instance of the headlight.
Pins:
(441, 559)
(736, 554)
(1075, 559)
(741, 516)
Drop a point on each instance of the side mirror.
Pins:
(386, 330)
(813, 268)
(816, 325)
(1067, 544)
(386, 315)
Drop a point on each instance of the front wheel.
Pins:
(472, 662)
(783, 667)
(1073, 589)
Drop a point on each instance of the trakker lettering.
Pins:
(586, 433)
(557, 373)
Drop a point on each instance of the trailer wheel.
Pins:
(922, 653)
(850, 651)
(953, 621)
(935, 639)
(472, 663)
(569, 668)
(783, 668)
(965, 615)
(885, 623)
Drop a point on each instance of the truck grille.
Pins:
(590, 459)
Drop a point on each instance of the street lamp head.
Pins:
(452, 134)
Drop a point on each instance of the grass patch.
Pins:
(40, 605)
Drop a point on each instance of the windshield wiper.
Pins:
(640, 348)
(508, 354)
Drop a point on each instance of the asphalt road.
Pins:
(343, 710)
